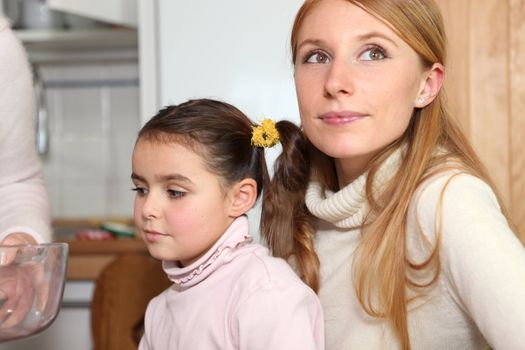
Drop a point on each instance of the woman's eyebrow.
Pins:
(372, 35)
(360, 37)
(314, 42)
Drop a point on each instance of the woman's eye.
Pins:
(174, 194)
(374, 53)
(139, 190)
(316, 57)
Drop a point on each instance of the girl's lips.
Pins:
(153, 236)
(344, 117)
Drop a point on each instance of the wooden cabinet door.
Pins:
(485, 85)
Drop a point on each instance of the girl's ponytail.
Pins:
(286, 224)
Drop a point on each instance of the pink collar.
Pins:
(222, 252)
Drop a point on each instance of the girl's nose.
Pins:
(339, 80)
(150, 207)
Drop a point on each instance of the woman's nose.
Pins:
(339, 79)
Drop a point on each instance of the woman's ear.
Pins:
(430, 86)
(243, 196)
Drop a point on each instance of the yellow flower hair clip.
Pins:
(266, 134)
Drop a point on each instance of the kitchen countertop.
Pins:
(88, 258)
(109, 246)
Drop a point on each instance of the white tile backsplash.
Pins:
(81, 71)
(83, 159)
(84, 198)
(121, 147)
(122, 105)
(93, 121)
(123, 70)
(120, 198)
(81, 111)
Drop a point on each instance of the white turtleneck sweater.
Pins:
(479, 298)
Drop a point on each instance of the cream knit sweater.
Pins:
(24, 205)
(479, 298)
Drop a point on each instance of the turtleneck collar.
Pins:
(347, 207)
(221, 253)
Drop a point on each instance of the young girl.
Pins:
(197, 169)
(398, 226)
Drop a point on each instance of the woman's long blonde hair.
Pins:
(381, 267)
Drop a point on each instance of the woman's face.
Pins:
(357, 84)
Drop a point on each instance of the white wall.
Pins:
(229, 49)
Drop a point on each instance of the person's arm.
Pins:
(24, 209)
(481, 257)
(280, 317)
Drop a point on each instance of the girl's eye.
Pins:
(374, 53)
(174, 194)
(316, 57)
(141, 191)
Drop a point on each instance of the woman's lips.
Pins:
(344, 117)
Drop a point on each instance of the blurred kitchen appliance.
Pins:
(32, 14)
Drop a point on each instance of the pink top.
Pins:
(236, 296)
(25, 204)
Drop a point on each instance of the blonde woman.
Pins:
(393, 219)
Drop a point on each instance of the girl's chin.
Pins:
(161, 255)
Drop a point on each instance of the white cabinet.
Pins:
(122, 12)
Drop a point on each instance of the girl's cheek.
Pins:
(181, 219)
(137, 213)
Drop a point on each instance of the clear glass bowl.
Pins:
(31, 287)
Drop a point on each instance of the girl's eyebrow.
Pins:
(170, 177)
(163, 178)
(137, 177)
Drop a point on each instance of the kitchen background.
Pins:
(93, 118)
(89, 111)
(102, 80)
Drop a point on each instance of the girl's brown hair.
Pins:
(219, 132)
(222, 135)
(381, 266)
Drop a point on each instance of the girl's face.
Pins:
(357, 84)
(180, 208)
